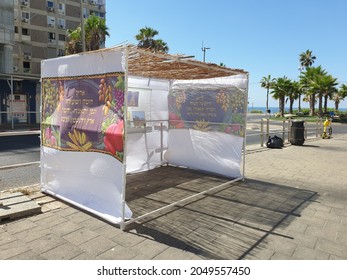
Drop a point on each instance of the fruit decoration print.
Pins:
(84, 114)
(208, 108)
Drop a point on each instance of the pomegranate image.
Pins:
(176, 121)
(113, 138)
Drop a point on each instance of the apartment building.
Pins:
(32, 30)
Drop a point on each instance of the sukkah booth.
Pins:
(121, 110)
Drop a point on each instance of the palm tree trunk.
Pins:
(267, 100)
(325, 103)
(320, 104)
(281, 106)
(291, 102)
(299, 106)
(337, 105)
(312, 104)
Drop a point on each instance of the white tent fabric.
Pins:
(144, 143)
(214, 152)
(99, 123)
(208, 149)
(90, 180)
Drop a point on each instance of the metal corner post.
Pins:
(126, 54)
(245, 136)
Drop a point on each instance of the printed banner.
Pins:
(84, 114)
(208, 109)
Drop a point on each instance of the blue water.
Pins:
(275, 110)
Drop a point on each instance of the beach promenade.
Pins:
(292, 205)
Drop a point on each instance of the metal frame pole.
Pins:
(245, 135)
(161, 143)
(126, 54)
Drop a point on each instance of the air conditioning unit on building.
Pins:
(50, 9)
(61, 26)
(26, 70)
(25, 20)
(24, 2)
(27, 57)
(50, 25)
(51, 40)
(92, 2)
(15, 68)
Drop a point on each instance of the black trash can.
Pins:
(297, 133)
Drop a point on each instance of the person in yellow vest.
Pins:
(327, 130)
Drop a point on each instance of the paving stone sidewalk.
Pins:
(292, 205)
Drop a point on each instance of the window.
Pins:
(61, 8)
(61, 37)
(25, 17)
(26, 66)
(51, 37)
(85, 13)
(60, 51)
(50, 6)
(16, 29)
(61, 23)
(24, 2)
(26, 31)
(101, 15)
(50, 21)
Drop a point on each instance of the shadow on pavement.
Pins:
(227, 224)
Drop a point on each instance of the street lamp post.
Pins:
(204, 49)
(82, 29)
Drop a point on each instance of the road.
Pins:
(20, 155)
(19, 164)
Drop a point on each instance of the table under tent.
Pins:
(124, 110)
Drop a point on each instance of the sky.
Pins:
(262, 37)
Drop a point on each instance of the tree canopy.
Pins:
(315, 83)
(95, 34)
(146, 40)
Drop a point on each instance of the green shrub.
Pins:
(305, 111)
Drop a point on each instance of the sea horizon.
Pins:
(276, 109)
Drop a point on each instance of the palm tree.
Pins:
(293, 91)
(341, 94)
(160, 46)
(279, 89)
(328, 84)
(146, 40)
(73, 44)
(266, 82)
(306, 60)
(309, 81)
(96, 32)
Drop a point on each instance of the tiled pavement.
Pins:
(292, 205)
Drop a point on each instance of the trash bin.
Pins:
(297, 133)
